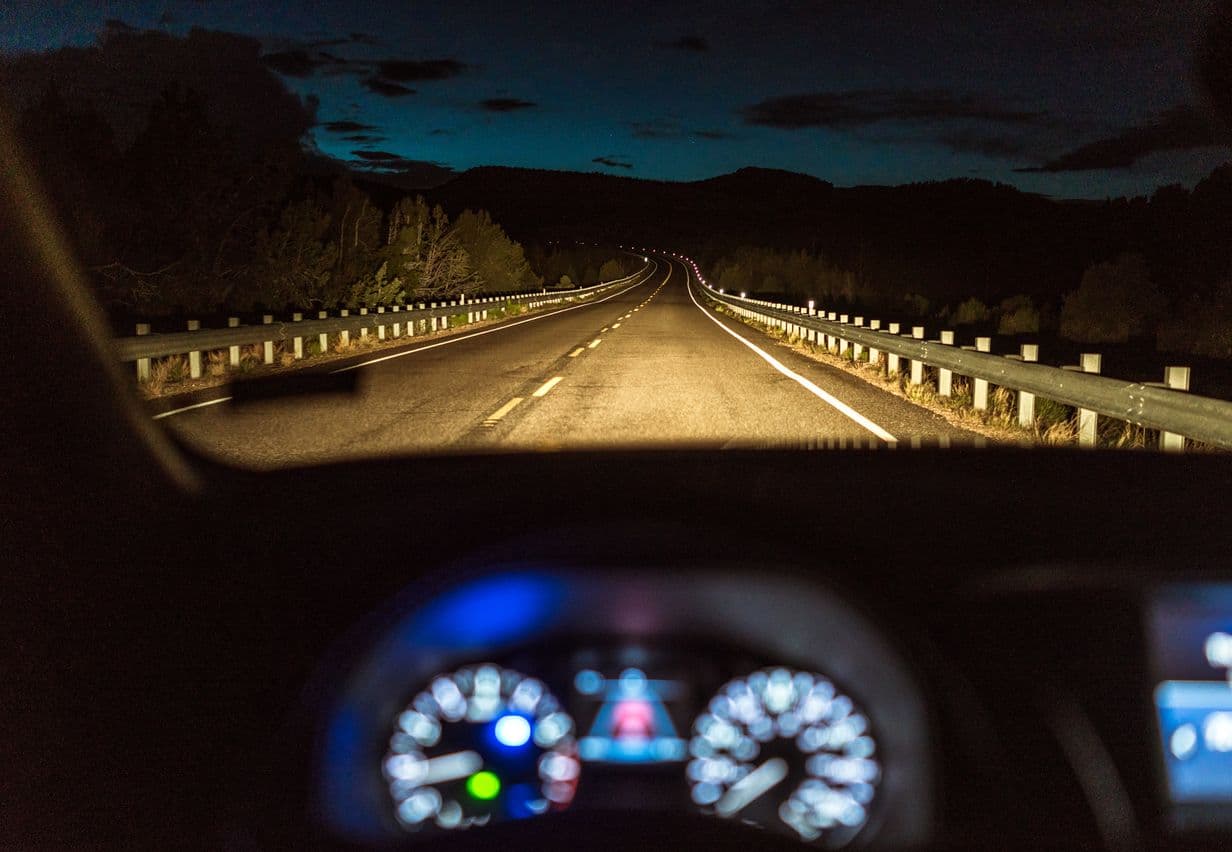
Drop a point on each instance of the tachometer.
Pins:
(483, 743)
(785, 749)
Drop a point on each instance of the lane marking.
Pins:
(603, 330)
(577, 352)
(594, 343)
(494, 329)
(493, 418)
(548, 385)
(837, 404)
(190, 407)
(616, 325)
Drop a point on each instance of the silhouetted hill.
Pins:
(948, 239)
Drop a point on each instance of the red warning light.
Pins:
(632, 719)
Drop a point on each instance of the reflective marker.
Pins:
(512, 731)
(483, 785)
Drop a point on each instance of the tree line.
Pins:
(185, 218)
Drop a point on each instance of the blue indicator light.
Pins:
(512, 731)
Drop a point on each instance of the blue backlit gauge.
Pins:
(784, 749)
(479, 745)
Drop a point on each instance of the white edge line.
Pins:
(492, 330)
(190, 407)
(837, 404)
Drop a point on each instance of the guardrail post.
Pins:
(857, 349)
(842, 342)
(1176, 378)
(979, 387)
(363, 332)
(323, 339)
(268, 319)
(143, 364)
(812, 308)
(397, 331)
(433, 318)
(945, 378)
(345, 334)
(380, 328)
(194, 358)
(298, 341)
(891, 358)
(1088, 420)
(233, 352)
(874, 354)
(917, 367)
(1026, 399)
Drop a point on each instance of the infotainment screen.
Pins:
(1191, 637)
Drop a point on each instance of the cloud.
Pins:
(611, 162)
(694, 43)
(1180, 128)
(365, 137)
(381, 156)
(506, 104)
(659, 128)
(846, 110)
(664, 128)
(979, 141)
(440, 131)
(386, 89)
(412, 71)
(347, 126)
(295, 63)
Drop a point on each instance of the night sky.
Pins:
(1079, 98)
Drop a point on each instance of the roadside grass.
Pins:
(1055, 424)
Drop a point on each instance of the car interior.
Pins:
(935, 648)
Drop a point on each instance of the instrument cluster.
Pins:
(517, 696)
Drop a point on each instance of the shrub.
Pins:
(1018, 316)
(1202, 327)
(1115, 301)
(969, 312)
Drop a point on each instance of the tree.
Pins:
(425, 252)
(498, 262)
(296, 258)
(1115, 301)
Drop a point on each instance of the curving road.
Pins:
(647, 364)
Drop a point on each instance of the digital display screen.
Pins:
(1192, 660)
(628, 718)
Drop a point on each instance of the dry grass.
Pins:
(217, 363)
(166, 371)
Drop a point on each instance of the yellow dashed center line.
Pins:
(602, 330)
(493, 418)
(548, 385)
(595, 343)
(577, 352)
(616, 325)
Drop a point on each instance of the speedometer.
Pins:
(785, 749)
(483, 743)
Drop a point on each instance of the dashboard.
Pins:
(528, 692)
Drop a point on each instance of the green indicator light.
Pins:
(483, 785)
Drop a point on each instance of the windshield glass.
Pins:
(340, 231)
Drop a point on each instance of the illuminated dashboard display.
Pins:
(1192, 652)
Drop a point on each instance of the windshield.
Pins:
(327, 232)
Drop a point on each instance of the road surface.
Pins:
(645, 365)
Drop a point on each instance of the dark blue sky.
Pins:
(1068, 97)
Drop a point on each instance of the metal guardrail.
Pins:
(1164, 406)
(402, 320)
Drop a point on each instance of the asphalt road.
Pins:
(647, 365)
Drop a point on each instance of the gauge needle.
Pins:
(451, 767)
(751, 786)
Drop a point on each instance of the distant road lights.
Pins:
(743, 295)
